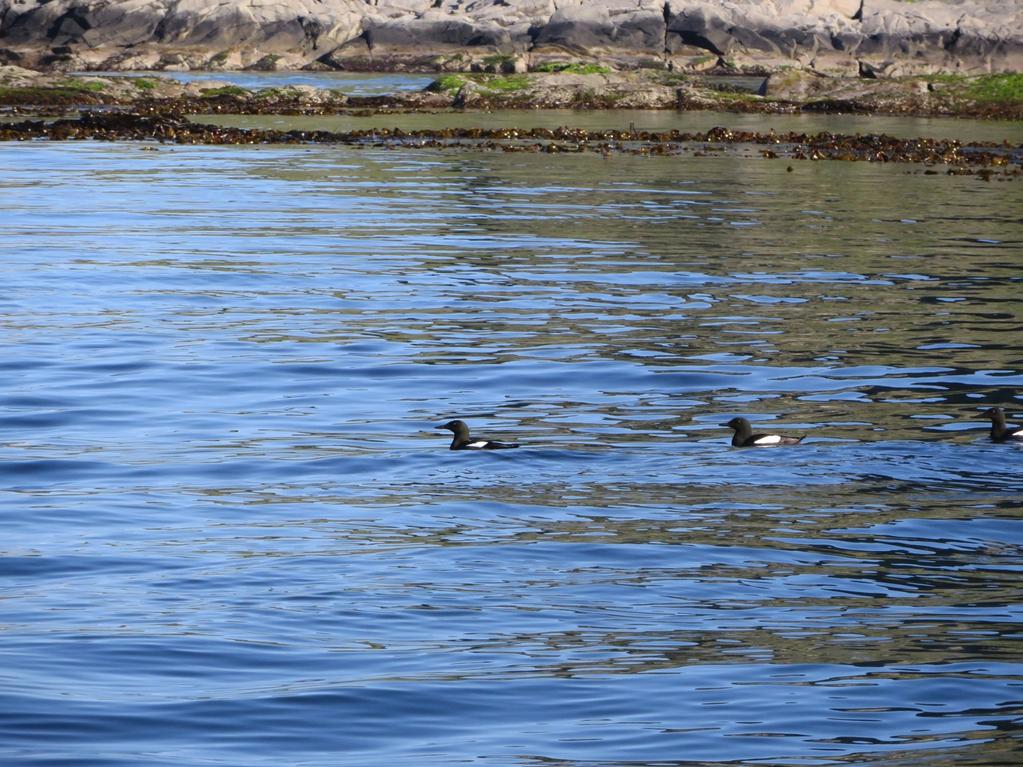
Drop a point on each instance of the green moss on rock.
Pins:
(447, 84)
(997, 88)
(90, 86)
(573, 68)
(505, 84)
(45, 95)
(226, 90)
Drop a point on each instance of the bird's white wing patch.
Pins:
(1017, 434)
(477, 444)
(768, 439)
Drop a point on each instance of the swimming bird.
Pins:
(462, 440)
(999, 431)
(744, 436)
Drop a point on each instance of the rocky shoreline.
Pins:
(151, 108)
(571, 86)
(987, 160)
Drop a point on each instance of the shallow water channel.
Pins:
(233, 536)
(637, 120)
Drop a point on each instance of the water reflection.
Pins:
(352, 83)
(224, 499)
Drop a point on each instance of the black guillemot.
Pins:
(999, 431)
(744, 436)
(462, 441)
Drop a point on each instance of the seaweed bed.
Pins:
(985, 159)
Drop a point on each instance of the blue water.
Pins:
(354, 83)
(233, 536)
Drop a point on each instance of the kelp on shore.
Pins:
(986, 159)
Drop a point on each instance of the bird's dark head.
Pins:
(737, 423)
(993, 413)
(454, 426)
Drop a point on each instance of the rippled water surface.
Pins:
(233, 536)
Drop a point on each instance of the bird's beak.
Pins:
(439, 427)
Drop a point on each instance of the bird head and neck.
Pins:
(459, 430)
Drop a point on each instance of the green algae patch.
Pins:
(48, 96)
(226, 90)
(572, 68)
(1005, 88)
(505, 84)
(987, 89)
(90, 86)
(452, 84)
(447, 84)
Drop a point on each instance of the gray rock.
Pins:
(795, 85)
(801, 86)
(837, 35)
(186, 32)
(636, 26)
(829, 35)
